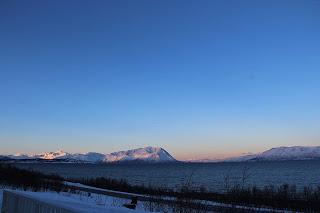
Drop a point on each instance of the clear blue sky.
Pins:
(199, 78)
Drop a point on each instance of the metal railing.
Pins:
(14, 202)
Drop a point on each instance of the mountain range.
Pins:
(146, 154)
(159, 155)
(274, 154)
(282, 153)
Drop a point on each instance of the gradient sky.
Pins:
(202, 79)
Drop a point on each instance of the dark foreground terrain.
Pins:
(286, 197)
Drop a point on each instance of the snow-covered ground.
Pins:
(209, 203)
(81, 201)
(96, 203)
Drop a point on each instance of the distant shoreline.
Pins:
(56, 161)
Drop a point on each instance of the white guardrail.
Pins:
(14, 202)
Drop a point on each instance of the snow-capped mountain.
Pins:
(88, 157)
(155, 154)
(44, 156)
(282, 153)
(147, 154)
(52, 155)
(17, 156)
(290, 153)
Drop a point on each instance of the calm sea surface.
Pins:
(210, 175)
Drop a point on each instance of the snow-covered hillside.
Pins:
(290, 153)
(52, 155)
(147, 154)
(283, 153)
(79, 201)
(45, 156)
(156, 154)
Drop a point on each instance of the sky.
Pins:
(202, 79)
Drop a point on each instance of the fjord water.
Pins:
(209, 175)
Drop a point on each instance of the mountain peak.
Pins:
(52, 155)
(149, 154)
